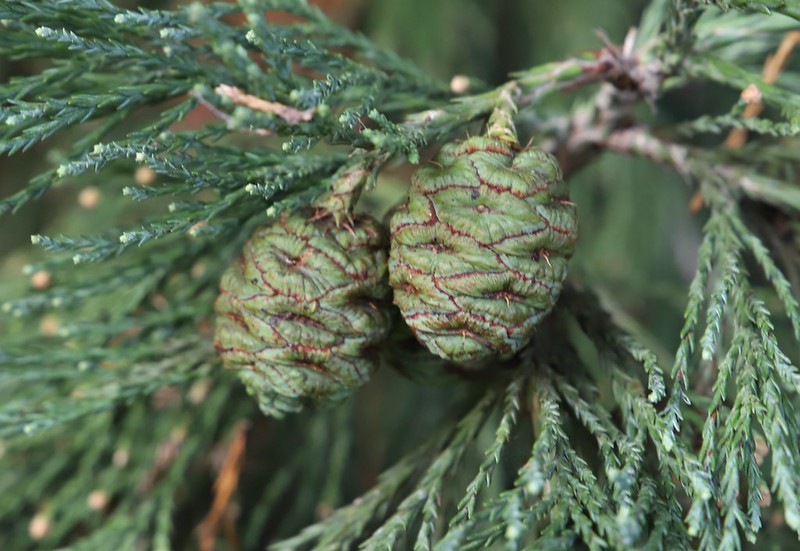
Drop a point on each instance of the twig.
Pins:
(581, 137)
(691, 164)
(638, 141)
(289, 114)
(226, 117)
(227, 481)
(772, 69)
(753, 98)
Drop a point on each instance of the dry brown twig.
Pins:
(240, 97)
(226, 117)
(753, 98)
(225, 485)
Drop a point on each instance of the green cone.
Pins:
(298, 314)
(479, 254)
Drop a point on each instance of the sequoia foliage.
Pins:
(618, 425)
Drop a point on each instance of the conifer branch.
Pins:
(585, 438)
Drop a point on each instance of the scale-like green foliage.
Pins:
(114, 408)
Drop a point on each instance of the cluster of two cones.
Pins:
(478, 256)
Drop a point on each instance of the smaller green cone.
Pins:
(299, 314)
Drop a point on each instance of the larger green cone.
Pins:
(479, 254)
(299, 313)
